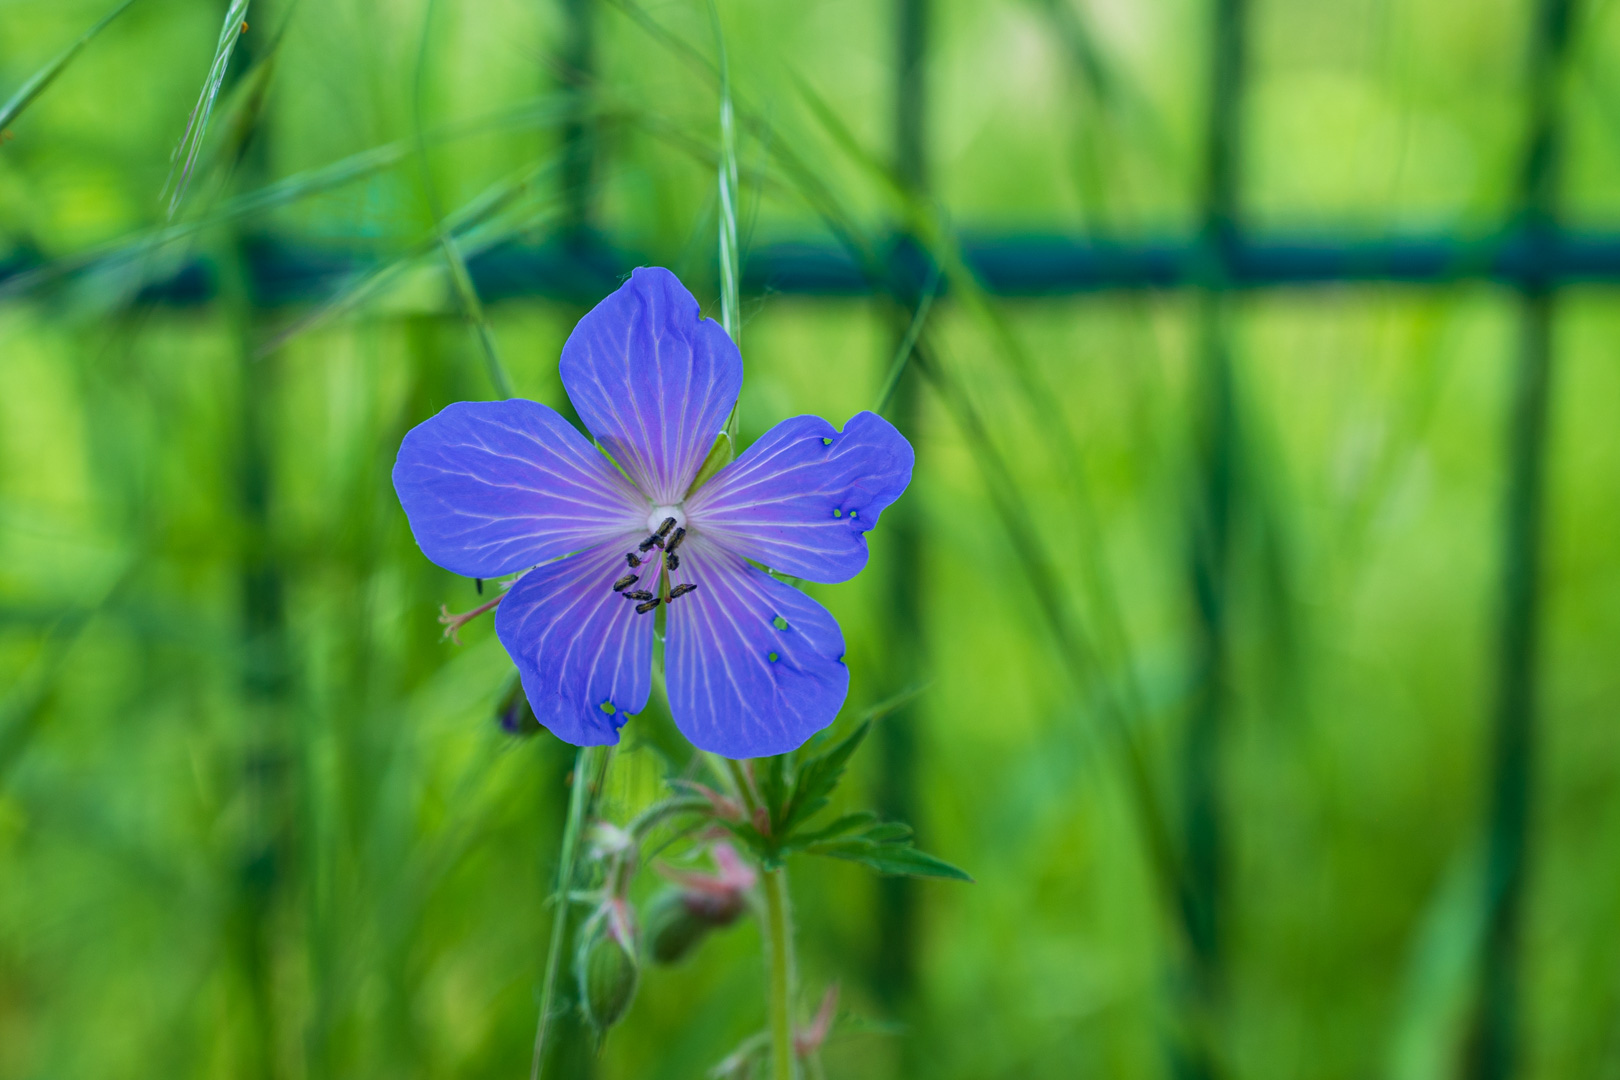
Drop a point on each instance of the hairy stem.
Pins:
(779, 967)
(778, 932)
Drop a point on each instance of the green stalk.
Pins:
(779, 936)
(586, 764)
(779, 962)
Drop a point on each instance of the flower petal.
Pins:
(584, 654)
(755, 667)
(803, 497)
(495, 486)
(652, 380)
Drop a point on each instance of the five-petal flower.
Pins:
(607, 537)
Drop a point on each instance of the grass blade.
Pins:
(184, 159)
(283, 193)
(472, 308)
(727, 178)
(493, 201)
(908, 344)
(30, 90)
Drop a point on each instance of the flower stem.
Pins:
(778, 933)
(779, 968)
(587, 763)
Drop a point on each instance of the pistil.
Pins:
(453, 623)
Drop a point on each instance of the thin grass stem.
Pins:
(37, 84)
(184, 159)
(908, 343)
(590, 765)
(472, 308)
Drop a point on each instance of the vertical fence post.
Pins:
(578, 61)
(264, 853)
(894, 973)
(568, 1051)
(1495, 1047)
(1215, 491)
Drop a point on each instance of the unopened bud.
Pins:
(680, 917)
(671, 929)
(607, 972)
(513, 712)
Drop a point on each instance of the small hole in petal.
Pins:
(607, 707)
(854, 513)
(838, 513)
(779, 622)
(826, 441)
(772, 657)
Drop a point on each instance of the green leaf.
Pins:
(896, 859)
(890, 832)
(773, 788)
(46, 75)
(846, 824)
(816, 780)
(720, 455)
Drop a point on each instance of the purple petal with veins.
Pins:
(754, 666)
(653, 380)
(584, 655)
(491, 487)
(803, 497)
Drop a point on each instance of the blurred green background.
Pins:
(1250, 564)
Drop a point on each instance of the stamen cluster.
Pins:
(665, 541)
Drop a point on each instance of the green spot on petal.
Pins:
(779, 622)
(772, 657)
(838, 513)
(607, 707)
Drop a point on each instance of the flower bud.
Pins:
(671, 929)
(513, 712)
(679, 918)
(607, 969)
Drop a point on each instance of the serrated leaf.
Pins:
(817, 778)
(750, 836)
(890, 832)
(897, 859)
(846, 824)
(773, 788)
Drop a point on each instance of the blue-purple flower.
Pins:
(610, 537)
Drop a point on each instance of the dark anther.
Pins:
(682, 590)
(639, 594)
(478, 583)
(663, 530)
(673, 561)
(653, 541)
(624, 582)
(630, 557)
(675, 541)
(642, 609)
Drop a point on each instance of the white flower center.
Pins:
(662, 513)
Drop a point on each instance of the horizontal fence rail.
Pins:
(1014, 265)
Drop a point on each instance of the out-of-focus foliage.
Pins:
(257, 819)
